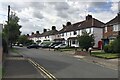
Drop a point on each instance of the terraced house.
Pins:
(111, 29)
(45, 36)
(34, 36)
(49, 35)
(70, 32)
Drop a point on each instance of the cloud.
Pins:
(37, 14)
(34, 16)
(115, 7)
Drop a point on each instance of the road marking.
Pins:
(45, 72)
(15, 58)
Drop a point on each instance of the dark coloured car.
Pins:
(33, 46)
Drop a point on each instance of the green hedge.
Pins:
(113, 47)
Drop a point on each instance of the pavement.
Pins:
(17, 67)
(109, 63)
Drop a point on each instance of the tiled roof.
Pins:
(34, 35)
(82, 25)
(51, 32)
(114, 20)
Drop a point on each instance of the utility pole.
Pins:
(8, 13)
(8, 27)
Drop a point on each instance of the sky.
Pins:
(35, 15)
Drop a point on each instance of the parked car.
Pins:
(54, 44)
(20, 45)
(33, 46)
(60, 46)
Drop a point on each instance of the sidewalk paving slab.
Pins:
(20, 69)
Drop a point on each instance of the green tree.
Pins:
(86, 40)
(23, 39)
(11, 29)
(29, 42)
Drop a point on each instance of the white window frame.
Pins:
(115, 27)
(105, 29)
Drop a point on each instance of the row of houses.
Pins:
(68, 34)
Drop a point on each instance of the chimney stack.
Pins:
(64, 26)
(68, 23)
(53, 28)
(44, 30)
(27, 35)
(88, 17)
(32, 33)
(37, 32)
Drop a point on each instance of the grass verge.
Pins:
(105, 55)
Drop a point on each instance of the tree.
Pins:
(86, 40)
(11, 29)
(22, 39)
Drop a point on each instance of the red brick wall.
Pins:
(109, 32)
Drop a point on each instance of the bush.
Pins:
(106, 48)
(116, 45)
(113, 46)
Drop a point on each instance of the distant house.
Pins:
(34, 36)
(70, 32)
(112, 28)
(49, 35)
(45, 36)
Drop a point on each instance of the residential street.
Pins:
(66, 66)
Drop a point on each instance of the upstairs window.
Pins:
(115, 28)
(74, 32)
(66, 33)
(105, 29)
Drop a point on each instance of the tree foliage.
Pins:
(23, 39)
(86, 40)
(11, 29)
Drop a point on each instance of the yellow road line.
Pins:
(43, 70)
(15, 58)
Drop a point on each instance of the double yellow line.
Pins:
(45, 73)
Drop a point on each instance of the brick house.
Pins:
(111, 29)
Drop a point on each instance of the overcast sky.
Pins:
(34, 15)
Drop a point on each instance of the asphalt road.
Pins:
(67, 66)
